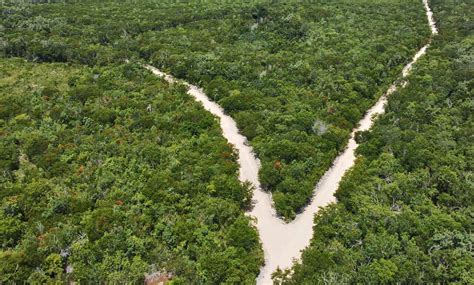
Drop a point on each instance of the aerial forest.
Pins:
(109, 174)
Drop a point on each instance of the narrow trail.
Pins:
(283, 242)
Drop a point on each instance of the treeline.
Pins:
(108, 174)
(98, 32)
(405, 211)
(295, 76)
